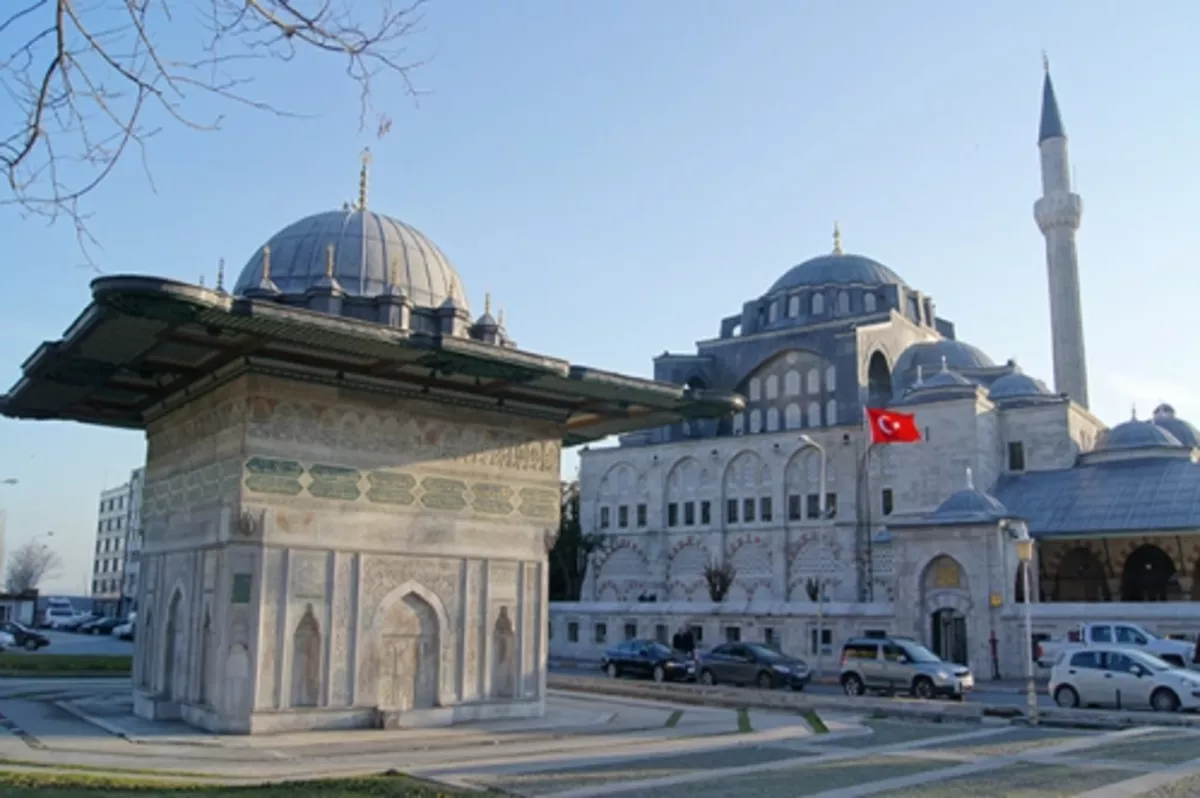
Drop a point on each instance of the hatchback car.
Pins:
(648, 658)
(1116, 677)
(752, 663)
(23, 636)
(901, 665)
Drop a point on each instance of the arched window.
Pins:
(755, 389)
(814, 380)
(755, 421)
(773, 386)
(843, 302)
(772, 419)
(739, 423)
(831, 379)
(818, 304)
(868, 302)
(814, 414)
(773, 312)
(831, 416)
(792, 416)
(794, 306)
(791, 383)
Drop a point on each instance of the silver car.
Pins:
(900, 665)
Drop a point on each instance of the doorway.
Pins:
(949, 635)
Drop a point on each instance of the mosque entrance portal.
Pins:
(949, 635)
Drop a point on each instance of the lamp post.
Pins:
(1024, 545)
(807, 440)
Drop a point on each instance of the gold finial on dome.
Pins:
(362, 179)
(837, 239)
(329, 261)
(266, 269)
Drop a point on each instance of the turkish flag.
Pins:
(891, 427)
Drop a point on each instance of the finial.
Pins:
(500, 321)
(266, 262)
(487, 302)
(943, 363)
(221, 274)
(329, 261)
(1134, 413)
(837, 239)
(970, 479)
(1045, 62)
(362, 178)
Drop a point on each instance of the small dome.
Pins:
(1164, 416)
(946, 379)
(931, 355)
(1136, 435)
(971, 504)
(370, 250)
(836, 269)
(1017, 386)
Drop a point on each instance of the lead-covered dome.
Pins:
(1185, 433)
(1136, 435)
(1017, 386)
(934, 356)
(971, 504)
(370, 251)
(836, 268)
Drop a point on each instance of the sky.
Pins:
(620, 175)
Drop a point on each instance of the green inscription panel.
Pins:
(386, 487)
(443, 494)
(334, 482)
(241, 588)
(539, 503)
(492, 499)
(268, 475)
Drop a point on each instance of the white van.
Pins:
(56, 617)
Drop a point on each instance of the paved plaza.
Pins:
(591, 746)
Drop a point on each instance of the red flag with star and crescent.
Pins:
(888, 426)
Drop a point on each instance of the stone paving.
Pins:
(591, 746)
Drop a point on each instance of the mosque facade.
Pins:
(791, 498)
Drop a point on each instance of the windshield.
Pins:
(918, 653)
(1150, 661)
(766, 653)
(658, 650)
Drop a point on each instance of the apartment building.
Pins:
(108, 566)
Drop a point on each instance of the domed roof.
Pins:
(946, 379)
(971, 503)
(836, 268)
(370, 251)
(1185, 433)
(1017, 386)
(931, 355)
(1136, 435)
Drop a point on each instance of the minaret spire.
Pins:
(362, 179)
(1058, 213)
(837, 239)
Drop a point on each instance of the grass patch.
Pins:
(103, 769)
(814, 722)
(743, 717)
(65, 664)
(673, 719)
(44, 785)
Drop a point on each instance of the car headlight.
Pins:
(942, 675)
(781, 668)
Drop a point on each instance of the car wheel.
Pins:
(766, 681)
(613, 671)
(852, 685)
(659, 673)
(1066, 697)
(706, 677)
(31, 645)
(922, 688)
(1164, 700)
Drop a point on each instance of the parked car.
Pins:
(23, 636)
(753, 663)
(1116, 677)
(58, 617)
(125, 631)
(101, 626)
(900, 665)
(78, 621)
(1123, 635)
(648, 658)
(7, 641)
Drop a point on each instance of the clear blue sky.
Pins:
(622, 174)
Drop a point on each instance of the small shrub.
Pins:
(720, 578)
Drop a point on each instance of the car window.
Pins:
(722, 650)
(658, 650)
(892, 652)
(1127, 635)
(765, 653)
(860, 651)
(1102, 634)
(1085, 659)
(739, 651)
(1118, 663)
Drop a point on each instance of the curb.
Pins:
(100, 723)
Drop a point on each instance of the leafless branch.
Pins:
(84, 83)
(28, 565)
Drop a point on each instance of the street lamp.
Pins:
(807, 440)
(1019, 531)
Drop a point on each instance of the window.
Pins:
(794, 306)
(795, 507)
(831, 416)
(791, 383)
(689, 513)
(843, 302)
(831, 379)
(813, 381)
(813, 500)
(1118, 662)
(868, 302)
(705, 512)
(604, 519)
(1085, 659)
(755, 421)
(772, 419)
(573, 632)
(773, 386)
(739, 423)
(888, 501)
(764, 509)
(814, 414)
(853, 651)
(1128, 636)
(697, 634)
(826, 641)
(641, 515)
(672, 514)
(792, 417)
(1016, 456)
(748, 510)
(892, 653)
(773, 311)
(601, 632)
(623, 516)
(733, 634)
(755, 389)
(660, 633)
(1102, 634)
(731, 511)
(877, 634)
(630, 631)
(770, 636)
(817, 305)
(831, 505)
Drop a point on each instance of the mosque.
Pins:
(790, 497)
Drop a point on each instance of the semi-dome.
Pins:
(1017, 386)
(836, 268)
(373, 254)
(1136, 435)
(1185, 433)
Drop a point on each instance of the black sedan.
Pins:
(101, 626)
(648, 658)
(24, 637)
(752, 663)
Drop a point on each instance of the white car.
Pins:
(1122, 678)
(7, 641)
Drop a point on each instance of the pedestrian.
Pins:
(688, 641)
(677, 640)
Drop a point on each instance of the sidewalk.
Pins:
(1010, 686)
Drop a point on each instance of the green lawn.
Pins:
(45, 785)
(65, 664)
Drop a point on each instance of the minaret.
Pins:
(1058, 213)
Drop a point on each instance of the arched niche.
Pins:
(1080, 577)
(306, 661)
(879, 380)
(504, 657)
(1149, 575)
(404, 666)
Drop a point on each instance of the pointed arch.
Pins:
(174, 668)
(1079, 577)
(306, 661)
(943, 572)
(204, 663)
(1150, 574)
(504, 657)
(419, 653)
(879, 379)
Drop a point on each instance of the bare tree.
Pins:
(86, 82)
(719, 577)
(28, 565)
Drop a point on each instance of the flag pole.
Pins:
(864, 464)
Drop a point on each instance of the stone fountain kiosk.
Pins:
(347, 510)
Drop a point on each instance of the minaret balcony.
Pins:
(1058, 210)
